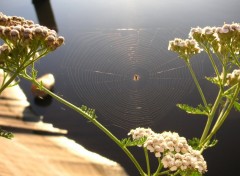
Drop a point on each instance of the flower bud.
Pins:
(50, 39)
(53, 33)
(208, 30)
(60, 40)
(196, 33)
(14, 34)
(3, 19)
(235, 27)
(38, 30)
(4, 51)
(18, 28)
(1, 30)
(6, 31)
(27, 33)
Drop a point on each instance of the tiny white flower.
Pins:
(158, 154)
(193, 31)
(208, 30)
(173, 168)
(223, 30)
(150, 148)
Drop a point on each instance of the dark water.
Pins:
(108, 43)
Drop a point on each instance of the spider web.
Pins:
(128, 75)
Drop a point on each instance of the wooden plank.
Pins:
(40, 127)
(50, 155)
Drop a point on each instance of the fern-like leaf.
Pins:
(194, 143)
(6, 134)
(212, 143)
(201, 110)
(236, 106)
(190, 173)
(89, 111)
(128, 142)
(213, 80)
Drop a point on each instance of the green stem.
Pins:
(196, 82)
(176, 173)
(147, 161)
(222, 111)
(11, 79)
(160, 165)
(217, 101)
(234, 56)
(223, 117)
(164, 172)
(212, 62)
(211, 116)
(215, 67)
(94, 121)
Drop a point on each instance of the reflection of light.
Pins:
(79, 150)
(126, 29)
(103, 72)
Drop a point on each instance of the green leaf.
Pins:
(213, 80)
(190, 173)
(213, 143)
(236, 106)
(229, 92)
(89, 111)
(195, 173)
(6, 134)
(34, 73)
(194, 143)
(191, 110)
(128, 142)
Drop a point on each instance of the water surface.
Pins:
(116, 60)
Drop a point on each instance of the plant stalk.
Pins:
(211, 116)
(147, 161)
(223, 117)
(196, 82)
(160, 165)
(94, 121)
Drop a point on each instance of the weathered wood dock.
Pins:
(40, 149)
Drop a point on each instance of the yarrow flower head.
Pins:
(188, 161)
(232, 78)
(139, 133)
(173, 149)
(18, 31)
(185, 48)
(219, 38)
(26, 41)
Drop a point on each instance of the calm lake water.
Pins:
(115, 59)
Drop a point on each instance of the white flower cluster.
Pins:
(218, 37)
(186, 47)
(192, 160)
(21, 32)
(232, 78)
(25, 42)
(173, 149)
(139, 133)
(226, 28)
(166, 141)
